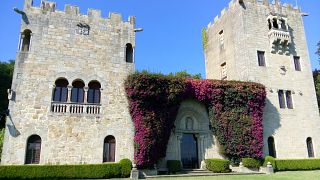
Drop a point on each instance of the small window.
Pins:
(224, 71)
(25, 40)
(77, 93)
(94, 92)
(310, 147)
(281, 99)
(129, 53)
(83, 29)
(289, 100)
(109, 149)
(221, 39)
(297, 64)
(33, 150)
(269, 24)
(271, 147)
(275, 23)
(261, 58)
(60, 93)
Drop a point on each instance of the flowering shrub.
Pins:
(235, 111)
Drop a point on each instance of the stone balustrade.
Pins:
(281, 36)
(73, 108)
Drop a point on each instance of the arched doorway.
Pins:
(189, 151)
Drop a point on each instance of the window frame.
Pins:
(297, 63)
(272, 147)
(109, 149)
(34, 156)
(281, 98)
(310, 148)
(261, 62)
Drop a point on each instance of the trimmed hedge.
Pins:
(174, 166)
(218, 165)
(270, 159)
(251, 162)
(297, 164)
(92, 171)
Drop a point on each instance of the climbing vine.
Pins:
(235, 112)
(204, 38)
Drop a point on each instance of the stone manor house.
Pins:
(68, 104)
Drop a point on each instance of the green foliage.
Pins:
(218, 165)
(297, 164)
(6, 73)
(93, 171)
(1, 141)
(204, 38)
(174, 166)
(251, 162)
(316, 79)
(184, 74)
(270, 159)
(126, 166)
(318, 49)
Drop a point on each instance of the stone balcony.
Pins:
(277, 36)
(75, 108)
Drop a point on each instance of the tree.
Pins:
(318, 50)
(316, 79)
(185, 74)
(6, 73)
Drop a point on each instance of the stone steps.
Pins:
(195, 173)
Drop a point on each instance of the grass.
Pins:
(288, 175)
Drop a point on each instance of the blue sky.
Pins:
(171, 40)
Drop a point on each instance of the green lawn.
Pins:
(296, 175)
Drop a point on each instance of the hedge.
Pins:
(174, 166)
(218, 165)
(297, 164)
(92, 171)
(251, 162)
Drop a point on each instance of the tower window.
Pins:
(129, 53)
(25, 40)
(283, 24)
(33, 150)
(281, 99)
(297, 65)
(271, 147)
(289, 100)
(275, 23)
(310, 147)
(109, 149)
(261, 58)
(224, 71)
(94, 92)
(77, 93)
(60, 93)
(221, 39)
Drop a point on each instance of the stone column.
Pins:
(178, 153)
(22, 36)
(69, 94)
(30, 42)
(200, 139)
(85, 99)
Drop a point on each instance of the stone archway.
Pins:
(191, 129)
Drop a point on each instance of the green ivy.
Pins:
(204, 38)
(1, 141)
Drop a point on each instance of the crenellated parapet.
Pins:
(47, 7)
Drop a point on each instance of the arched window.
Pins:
(94, 92)
(283, 24)
(25, 40)
(275, 23)
(33, 150)
(77, 93)
(129, 53)
(60, 93)
(272, 148)
(310, 147)
(269, 24)
(109, 149)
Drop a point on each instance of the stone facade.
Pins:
(66, 44)
(241, 31)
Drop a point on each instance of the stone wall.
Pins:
(246, 31)
(57, 50)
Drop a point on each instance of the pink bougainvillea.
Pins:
(235, 112)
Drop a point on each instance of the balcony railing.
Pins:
(72, 108)
(279, 36)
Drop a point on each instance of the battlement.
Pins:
(47, 7)
(275, 7)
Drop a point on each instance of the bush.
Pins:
(1, 141)
(93, 171)
(297, 164)
(251, 162)
(174, 166)
(218, 165)
(270, 159)
(126, 166)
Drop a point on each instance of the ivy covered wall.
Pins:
(235, 111)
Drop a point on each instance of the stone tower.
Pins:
(67, 102)
(265, 42)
